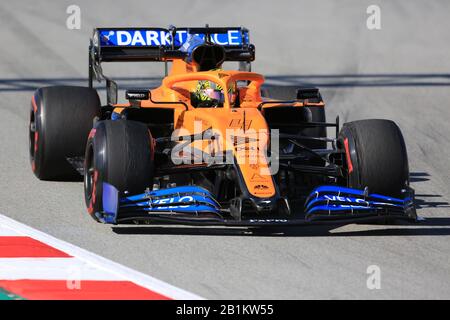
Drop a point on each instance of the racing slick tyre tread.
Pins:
(120, 153)
(60, 120)
(376, 156)
(317, 113)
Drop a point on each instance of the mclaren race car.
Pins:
(211, 146)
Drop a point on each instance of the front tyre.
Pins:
(376, 156)
(120, 153)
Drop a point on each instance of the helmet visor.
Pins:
(214, 94)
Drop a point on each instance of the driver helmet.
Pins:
(208, 92)
(212, 94)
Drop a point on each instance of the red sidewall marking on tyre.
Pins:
(92, 133)
(33, 103)
(36, 139)
(93, 194)
(347, 155)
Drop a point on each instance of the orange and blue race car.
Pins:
(211, 146)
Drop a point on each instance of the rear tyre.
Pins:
(317, 112)
(120, 153)
(376, 156)
(60, 120)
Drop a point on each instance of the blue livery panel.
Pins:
(156, 37)
(194, 203)
(187, 199)
(329, 202)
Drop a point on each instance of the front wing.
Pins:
(192, 205)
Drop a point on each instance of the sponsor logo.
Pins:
(261, 187)
(347, 200)
(344, 199)
(137, 96)
(161, 37)
(257, 177)
(187, 199)
(268, 221)
(261, 193)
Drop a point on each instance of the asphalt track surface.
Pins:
(401, 72)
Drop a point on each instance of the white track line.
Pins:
(52, 269)
(7, 232)
(108, 266)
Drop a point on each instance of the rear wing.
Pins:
(159, 44)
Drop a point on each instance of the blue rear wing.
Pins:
(156, 37)
(159, 44)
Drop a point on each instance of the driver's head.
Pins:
(209, 94)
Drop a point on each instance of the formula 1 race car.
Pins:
(212, 146)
